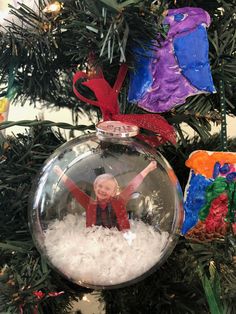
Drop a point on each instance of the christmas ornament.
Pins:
(164, 77)
(4, 107)
(9, 93)
(106, 208)
(210, 196)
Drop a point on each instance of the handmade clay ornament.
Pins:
(210, 196)
(165, 76)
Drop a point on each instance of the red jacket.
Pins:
(118, 202)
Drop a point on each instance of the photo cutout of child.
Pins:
(109, 207)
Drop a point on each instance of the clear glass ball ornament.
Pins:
(106, 209)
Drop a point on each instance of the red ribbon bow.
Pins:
(107, 101)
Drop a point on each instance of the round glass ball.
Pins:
(105, 211)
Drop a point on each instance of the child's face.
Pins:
(105, 189)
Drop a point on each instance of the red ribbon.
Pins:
(107, 101)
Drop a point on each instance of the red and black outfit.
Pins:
(106, 214)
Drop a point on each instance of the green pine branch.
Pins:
(47, 49)
(22, 270)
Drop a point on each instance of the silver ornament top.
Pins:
(116, 129)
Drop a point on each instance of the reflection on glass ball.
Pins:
(105, 212)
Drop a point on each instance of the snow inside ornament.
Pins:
(106, 208)
(210, 195)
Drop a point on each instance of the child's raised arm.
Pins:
(82, 198)
(60, 173)
(152, 166)
(135, 183)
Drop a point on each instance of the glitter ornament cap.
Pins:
(116, 129)
(106, 211)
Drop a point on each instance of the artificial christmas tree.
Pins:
(39, 57)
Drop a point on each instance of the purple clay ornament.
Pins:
(180, 68)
